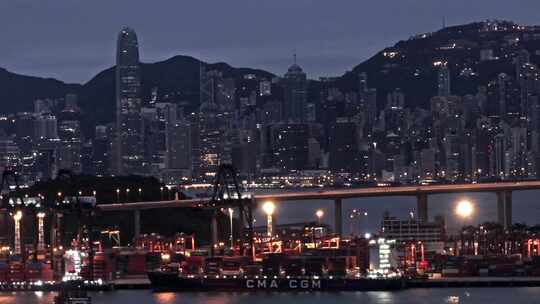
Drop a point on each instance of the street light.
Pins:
(127, 195)
(18, 215)
(319, 213)
(464, 208)
(269, 208)
(117, 195)
(231, 211)
(140, 194)
(161, 192)
(17, 218)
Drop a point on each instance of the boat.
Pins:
(167, 280)
(72, 292)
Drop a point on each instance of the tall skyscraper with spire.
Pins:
(295, 94)
(129, 132)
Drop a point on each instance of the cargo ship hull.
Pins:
(172, 282)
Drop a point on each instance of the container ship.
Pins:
(308, 262)
(169, 280)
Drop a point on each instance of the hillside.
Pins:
(408, 65)
(178, 75)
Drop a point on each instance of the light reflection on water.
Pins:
(527, 295)
(165, 297)
(382, 297)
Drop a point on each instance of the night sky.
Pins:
(72, 40)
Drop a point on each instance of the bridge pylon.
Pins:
(504, 209)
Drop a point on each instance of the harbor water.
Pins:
(409, 296)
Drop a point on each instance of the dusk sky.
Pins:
(72, 40)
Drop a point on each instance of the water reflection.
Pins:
(165, 297)
(411, 296)
(217, 298)
(38, 297)
(382, 296)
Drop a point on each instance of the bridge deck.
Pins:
(340, 194)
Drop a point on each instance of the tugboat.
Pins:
(72, 292)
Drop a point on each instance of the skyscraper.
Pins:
(367, 98)
(443, 81)
(129, 135)
(210, 122)
(295, 94)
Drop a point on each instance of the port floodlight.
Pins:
(464, 208)
(269, 207)
(18, 215)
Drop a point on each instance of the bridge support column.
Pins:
(504, 209)
(136, 223)
(422, 207)
(338, 219)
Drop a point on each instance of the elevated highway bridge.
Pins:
(503, 190)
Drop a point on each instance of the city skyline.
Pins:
(446, 106)
(76, 53)
(234, 146)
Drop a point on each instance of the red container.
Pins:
(16, 272)
(136, 264)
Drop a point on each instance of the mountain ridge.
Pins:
(408, 65)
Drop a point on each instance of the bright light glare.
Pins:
(18, 216)
(464, 208)
(269, 208)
